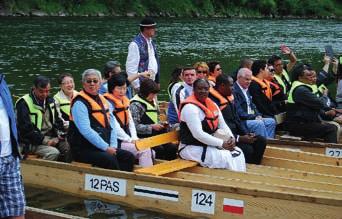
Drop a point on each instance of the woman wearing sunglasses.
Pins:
(93, 131)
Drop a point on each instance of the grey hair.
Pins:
(91, 71)
(243, 71)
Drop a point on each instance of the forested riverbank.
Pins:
(174, 8)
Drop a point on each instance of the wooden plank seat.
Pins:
(277, 157)
(166, 167)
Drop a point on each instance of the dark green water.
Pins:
(50, 46)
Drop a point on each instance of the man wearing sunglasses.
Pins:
(92, 132)
(142, 54)
(39, 126)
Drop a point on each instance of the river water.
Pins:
(50, 46)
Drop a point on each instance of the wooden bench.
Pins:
(276, 157)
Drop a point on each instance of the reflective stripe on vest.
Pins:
(64, 104)
(151, 111)
(318, 91)
(296, 84)
(36, 111)
(265, 87)
(120, 111)
(102, 116)
(280, 80)
(210, 110)
(217, 95)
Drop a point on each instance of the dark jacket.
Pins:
(264, 105)
(28, 132)
(307, 107)
(241, 104)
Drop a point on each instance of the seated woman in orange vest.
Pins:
(144, 109)
(260, 89)
(200, 121)
(92, 131)
(117, 86)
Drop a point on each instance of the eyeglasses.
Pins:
(95, 81)
(218, 69)
(202, 72)
(67, 82)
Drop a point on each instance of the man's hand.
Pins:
(258, 118)
(285, 50)
(111, 150)
(53, 142)
(331, 113)
(229, 144)
(157, 127)
(247, 139)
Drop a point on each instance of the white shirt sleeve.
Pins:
(223, 125)
(132, 62)
(122, 135)
(192, 116)
(131, 126)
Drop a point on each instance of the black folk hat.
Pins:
(148, 22)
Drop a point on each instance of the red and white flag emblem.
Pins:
(233, 206)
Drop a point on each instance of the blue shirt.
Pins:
(80, 115)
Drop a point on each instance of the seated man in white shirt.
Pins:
(200, 119)
(183, 89)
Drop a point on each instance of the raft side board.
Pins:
(232, 186)
(301, 156)
(255, 206)
(302, 165)
(289, 173)
(298, 182)
(157, 140)
(36, 213)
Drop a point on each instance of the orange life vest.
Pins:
(211, 78)
(121, 110)
(276, 88)
(99, 113)
(265, 87)
(210, 110)
(217, 95)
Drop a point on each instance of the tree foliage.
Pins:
(315, 8)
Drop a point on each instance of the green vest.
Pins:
(151, 111)
(64, 104)
(296, 84)
(318, 91)
(36, 111)
(280, 80)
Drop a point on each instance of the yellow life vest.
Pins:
(296, 84)
(151, 111)
(281, 82)
(64, 104)
(37, 112)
